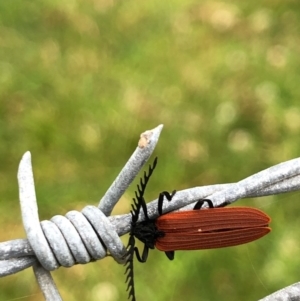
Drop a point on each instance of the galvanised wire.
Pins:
(77, 237)
(81, 237)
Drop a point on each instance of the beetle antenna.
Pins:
(129, 269)
(138, 203)
(129, 272)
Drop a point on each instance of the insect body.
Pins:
(189, 230)
(211, 228)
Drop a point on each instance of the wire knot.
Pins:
(78, 238)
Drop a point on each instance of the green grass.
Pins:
(80, 80)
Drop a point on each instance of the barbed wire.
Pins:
(89, 235)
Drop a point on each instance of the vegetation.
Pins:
(80, 80)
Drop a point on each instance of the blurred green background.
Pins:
(79, 82)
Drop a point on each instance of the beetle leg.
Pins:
(170, 254)
(144, 256)
(161, 196)
(200, 203)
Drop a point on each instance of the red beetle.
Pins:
(189, 230)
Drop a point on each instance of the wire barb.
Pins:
(146, 145)
(19, 254)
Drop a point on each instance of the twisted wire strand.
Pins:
(77, 237)
(281, 178)
(289, 293)
(18, 254)
(146, 145)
